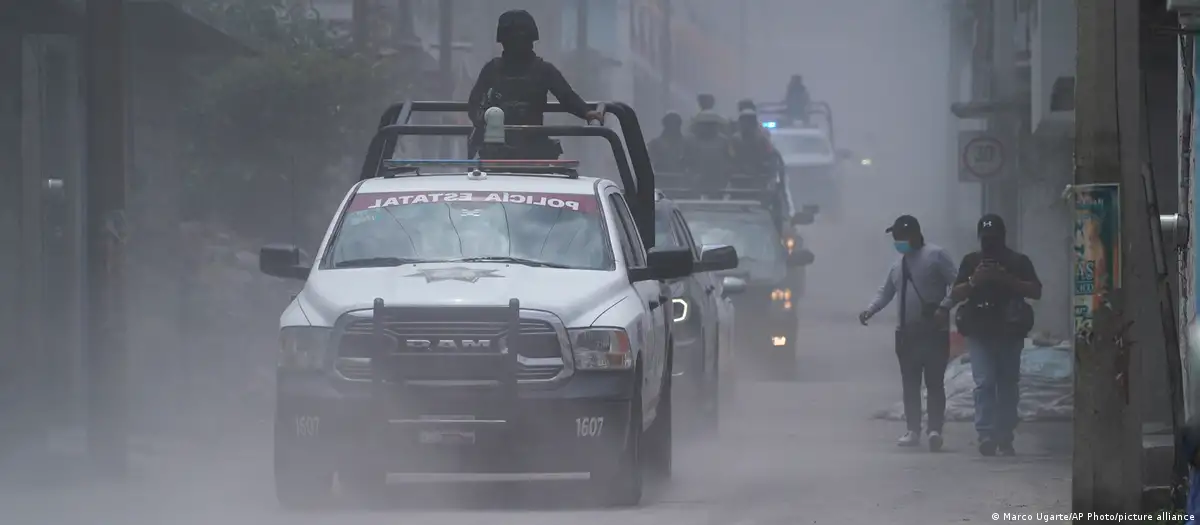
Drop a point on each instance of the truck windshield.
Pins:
(760, 250)
(536, 229)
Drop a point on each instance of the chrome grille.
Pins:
(539, 342)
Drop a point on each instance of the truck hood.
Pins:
(570, 294)
(806, 160)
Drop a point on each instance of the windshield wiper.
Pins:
(374, 262)
(514, 260)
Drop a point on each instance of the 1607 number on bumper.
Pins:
(589, 427)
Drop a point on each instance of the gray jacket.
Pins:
(931, 276)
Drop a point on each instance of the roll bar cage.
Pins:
(628, 148)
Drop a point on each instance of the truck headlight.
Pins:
(601, 349)
(681, 310)
(304, 347)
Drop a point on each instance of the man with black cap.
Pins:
(922, 276)
(517, 82)
(666, 150)
(995, 282)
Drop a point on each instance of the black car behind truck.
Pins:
(766, 319)
(697, 331)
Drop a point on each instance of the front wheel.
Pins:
(622, 485)
(299, 484)
(710, 416)
(660, 439)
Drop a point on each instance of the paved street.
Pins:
(805, 452)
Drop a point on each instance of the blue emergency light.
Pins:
(769, 125)
(482, 163)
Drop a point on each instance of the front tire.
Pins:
(710, 417)
(622, 486)
(299, 485)
(660, 439)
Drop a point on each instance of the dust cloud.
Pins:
(201, 383)
(883, 68)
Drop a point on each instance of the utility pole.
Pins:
(404, 32)
(581, 47)
(106, 150)
(1107, 470)
(1002, 196)
(361, 19)
(584, 64)
(445, 60)
(665, 48)
(743, 46)
(959, 40)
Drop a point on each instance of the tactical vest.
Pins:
(518, 91)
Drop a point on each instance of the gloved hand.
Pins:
(864, 317)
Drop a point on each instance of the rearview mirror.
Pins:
(801, 257)
(282, 260)
(716, 257)
(664, 264)
(802, 218)
(732, 286)
(845, 154)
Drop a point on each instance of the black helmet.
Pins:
(706, 101)
(672, 120)
(745, 104)
(516, 24)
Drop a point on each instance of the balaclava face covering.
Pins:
(992, 233)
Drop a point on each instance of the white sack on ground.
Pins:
(1047, 388)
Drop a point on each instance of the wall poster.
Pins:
(1097, 258)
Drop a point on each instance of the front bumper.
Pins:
(577, 428)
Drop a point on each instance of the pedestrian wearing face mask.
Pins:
(995, 282)
(922, 276)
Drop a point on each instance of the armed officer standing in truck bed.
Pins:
(517, 82)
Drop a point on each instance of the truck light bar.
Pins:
(482, 163)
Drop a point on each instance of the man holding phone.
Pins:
(995, 282)
(922, 275)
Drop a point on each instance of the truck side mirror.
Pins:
(283, 261)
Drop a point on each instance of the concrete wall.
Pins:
(1046, 218)
(1052, 46)
(1046, 232)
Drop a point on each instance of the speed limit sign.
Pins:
(981, 156)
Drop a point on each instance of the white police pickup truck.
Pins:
(488, 323)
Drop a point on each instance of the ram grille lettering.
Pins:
(447, 344)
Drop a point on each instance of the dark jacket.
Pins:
(709, 157)
(797, 101)
(519, 85)
(753, 155)
(666, 153)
